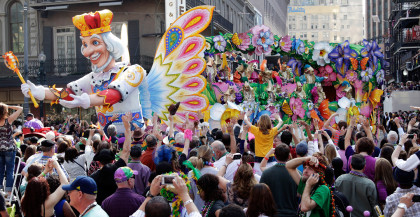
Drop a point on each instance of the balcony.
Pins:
(219, 21)
(41, 4)
(61, 71)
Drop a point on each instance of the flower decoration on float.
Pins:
(366, 74)
(219, 43)
(351, 75)
(296, 66)
(285, 43)
(341, 55)
(298, 46)
(296, 106)
(328, 72)
(320, 53)
(241, 40)
(262, 39)
(373, 52)
(380, 77)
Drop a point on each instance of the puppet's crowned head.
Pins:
(93, 23)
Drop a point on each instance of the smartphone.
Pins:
(416, 198)
(237, 156)
(410, 136)
(167, 179)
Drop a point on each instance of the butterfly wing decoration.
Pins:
(235, 39)
(364, 62)
(286, 108)
(354, 63)
(176, 72)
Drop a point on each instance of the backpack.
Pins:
(341, 204)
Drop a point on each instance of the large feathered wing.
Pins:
(176, 72)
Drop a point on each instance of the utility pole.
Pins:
(26, 50)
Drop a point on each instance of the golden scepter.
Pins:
(12, 63)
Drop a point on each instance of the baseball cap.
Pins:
(47, 143)
(122, 174)
(402, 176)
(84, 184)
(50, 136)
(302, 148)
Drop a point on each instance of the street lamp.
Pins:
(405, 72)
(41, 59)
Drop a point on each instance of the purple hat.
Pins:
(123, 174)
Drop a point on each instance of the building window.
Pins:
(345, 17)
(335, 38)
(16, 27)
(335, 16)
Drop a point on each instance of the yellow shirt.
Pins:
(263, 143)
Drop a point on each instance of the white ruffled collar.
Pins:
(99, 78)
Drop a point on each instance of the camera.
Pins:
(410, 136)
(237, 156)
(167, 179)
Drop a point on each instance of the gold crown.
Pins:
(93, 23)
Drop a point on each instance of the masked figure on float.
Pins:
(116, 87)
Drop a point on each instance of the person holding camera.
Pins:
(155, 205)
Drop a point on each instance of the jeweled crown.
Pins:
(93, 23)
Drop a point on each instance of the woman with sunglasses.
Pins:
(212, 195)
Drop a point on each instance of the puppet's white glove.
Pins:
(78, 101)
(37, 91)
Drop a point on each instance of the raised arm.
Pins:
(366, 127)
(347, 139)
(265, 160)
(327, 124)
(247, 122)
(232, 137)
(127, 118)
(292, 166)
(15, 114)
(277, 117)
(58, 194)
(397, 151)
(308, 129)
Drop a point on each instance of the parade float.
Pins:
(350, 75)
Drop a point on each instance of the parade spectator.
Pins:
(48, 152)
(365, 197)
(74, 163)
(143, 175)
(261, 202)
(316, 196)
(220, 153)
(62, 208)
(104, 177)
(264, 135)
(281, 183)
(405, 181)
(82, 192)
(385, 183)
(37, 200)
(147, 157)
(7, 146)
(212, 195)
(124, 201)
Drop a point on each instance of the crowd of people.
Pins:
(259, 168)
(407, 86)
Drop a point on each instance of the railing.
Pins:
(68, 66)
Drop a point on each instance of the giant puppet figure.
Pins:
(116, 88)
